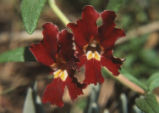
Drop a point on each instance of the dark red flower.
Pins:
(94, 44)
(56, 51)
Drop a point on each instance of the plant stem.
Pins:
(58, 12)
(125, 81)
(122, 79)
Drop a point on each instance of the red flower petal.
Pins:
(112, 38)
(54, 92)
(66, 45)
(73, 89)
(45, 51)
(85, 27)
(108, 25)
(92, 71)
(112, 64)
(41, 55)
(50, 33)
(108, 18)
(83, 60)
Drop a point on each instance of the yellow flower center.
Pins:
(62, 74)
(94, 55)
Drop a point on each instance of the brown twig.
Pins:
(149, 28)
(20, 37)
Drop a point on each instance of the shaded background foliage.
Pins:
(141, 54)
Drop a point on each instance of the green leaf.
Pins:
(153, 81)
(17, 55)
(13, 55)
(148, 104)
(31, 10)
(115, 5)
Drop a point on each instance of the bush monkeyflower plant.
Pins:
(93, 49)
(84, 43)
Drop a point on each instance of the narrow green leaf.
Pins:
(115, 5)
(17, 55)
(148, 104)
(153, 81)
(30, 10)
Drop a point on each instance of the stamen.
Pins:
(62, 74)
(94, 55)
(97, 56)
(57, 73)
(89, 55)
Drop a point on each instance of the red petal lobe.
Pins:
(50, 33)
(85, 27)
(73, 89)
(108, 25)
(54, 92)
(93, 72)
(66, 45)
(108, 18)
(112, 64)
(41, 55)
(112, 38)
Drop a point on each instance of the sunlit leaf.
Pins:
(30, 10)
(17, 55)
(148, 104)
(153, 81)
